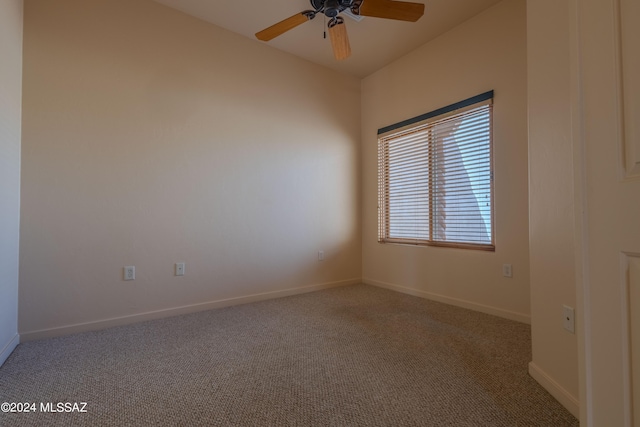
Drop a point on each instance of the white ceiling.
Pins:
(375, 42)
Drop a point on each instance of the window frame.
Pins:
(420, 124)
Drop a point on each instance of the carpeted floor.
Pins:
(352, 356)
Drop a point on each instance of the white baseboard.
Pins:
(511, 315)
(158, 314)
(8, 349)
(565, 398)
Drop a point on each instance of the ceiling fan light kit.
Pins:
(388, 9)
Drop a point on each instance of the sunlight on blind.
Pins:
(435, 182)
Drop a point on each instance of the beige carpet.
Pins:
(352, 356)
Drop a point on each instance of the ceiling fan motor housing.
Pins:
(331, 8)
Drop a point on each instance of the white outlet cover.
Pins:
(180, 269)
(568, 319)
(507, 270)
(130, 272)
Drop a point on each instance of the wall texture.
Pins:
(487, 52)
(551, 211)
(10, 112)
(151, 138)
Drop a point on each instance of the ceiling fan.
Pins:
(389, 9)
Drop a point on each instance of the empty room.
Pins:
(320, 212)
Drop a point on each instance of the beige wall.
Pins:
(551, 212)
(10, 111)
(487, 52)
(150, 138)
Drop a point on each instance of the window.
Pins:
(435, 178)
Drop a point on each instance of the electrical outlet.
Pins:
(130, 272)
(506, 270)
(568, 319)
(180, 269)
(320, 255)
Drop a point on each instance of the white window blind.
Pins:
(435, 181)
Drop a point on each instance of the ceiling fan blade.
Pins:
(391, 9)
(340, 41)
(282, 27)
